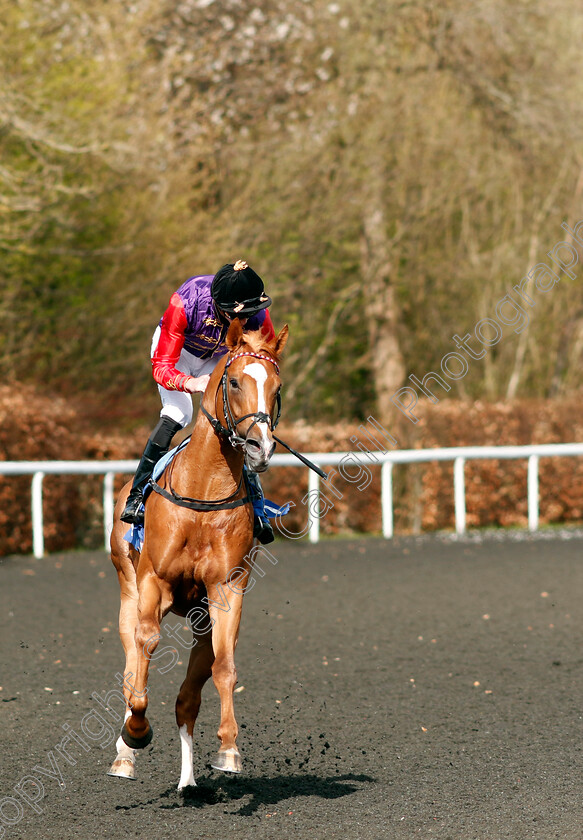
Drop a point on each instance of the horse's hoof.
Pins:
(185, 786)
(229, 761)
(136, 743)
(123, 768)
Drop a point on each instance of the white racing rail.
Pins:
(459, 456)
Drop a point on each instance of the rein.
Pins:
(260, 417)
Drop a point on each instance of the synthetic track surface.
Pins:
(421, 688)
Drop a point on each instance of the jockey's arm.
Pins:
(171, 342)
(168, 351)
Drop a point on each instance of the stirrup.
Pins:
(263, 531)
(133, 513)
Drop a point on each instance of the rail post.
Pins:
(459, 491)
(314, 505)
(532, 481)
(38, 539)
(108, 507)
(387, 498)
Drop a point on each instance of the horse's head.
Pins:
(251, 386)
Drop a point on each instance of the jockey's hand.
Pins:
(196, 384)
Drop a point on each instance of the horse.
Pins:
(197, 549)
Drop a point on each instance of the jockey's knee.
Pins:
(165, 431)
(177, 407)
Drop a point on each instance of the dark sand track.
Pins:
(421, 688)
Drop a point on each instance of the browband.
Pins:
(256, 356)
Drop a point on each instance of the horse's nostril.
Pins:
(252, 445)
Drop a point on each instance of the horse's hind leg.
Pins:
(188, 702)
(124, 765)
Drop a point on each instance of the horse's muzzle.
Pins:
(258, 453)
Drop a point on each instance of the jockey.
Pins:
(187, 345)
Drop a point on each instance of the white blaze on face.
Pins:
(259, 374)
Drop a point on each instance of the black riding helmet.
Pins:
(238, 290)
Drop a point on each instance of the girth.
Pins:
(198, 504)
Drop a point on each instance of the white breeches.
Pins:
(178, 404)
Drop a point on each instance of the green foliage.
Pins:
(142, 143)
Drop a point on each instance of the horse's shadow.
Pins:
(263, 791)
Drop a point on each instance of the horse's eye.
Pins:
(233, 383)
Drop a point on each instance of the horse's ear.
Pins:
(234, 334)
(281, 341)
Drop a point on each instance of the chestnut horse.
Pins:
(198, 533)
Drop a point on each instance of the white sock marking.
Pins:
(186, 772)
(123, 751)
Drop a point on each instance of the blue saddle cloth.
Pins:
(262, 507)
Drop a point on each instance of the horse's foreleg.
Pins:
(137, 732)
(188, 702)
(124, 766)
(225, 632)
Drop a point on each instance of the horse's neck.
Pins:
(209, 467)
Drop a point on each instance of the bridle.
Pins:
(230, 430)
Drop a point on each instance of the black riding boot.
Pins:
(156, 447)
(262, 529)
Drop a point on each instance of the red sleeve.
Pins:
(170, 346)
(267, 326)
